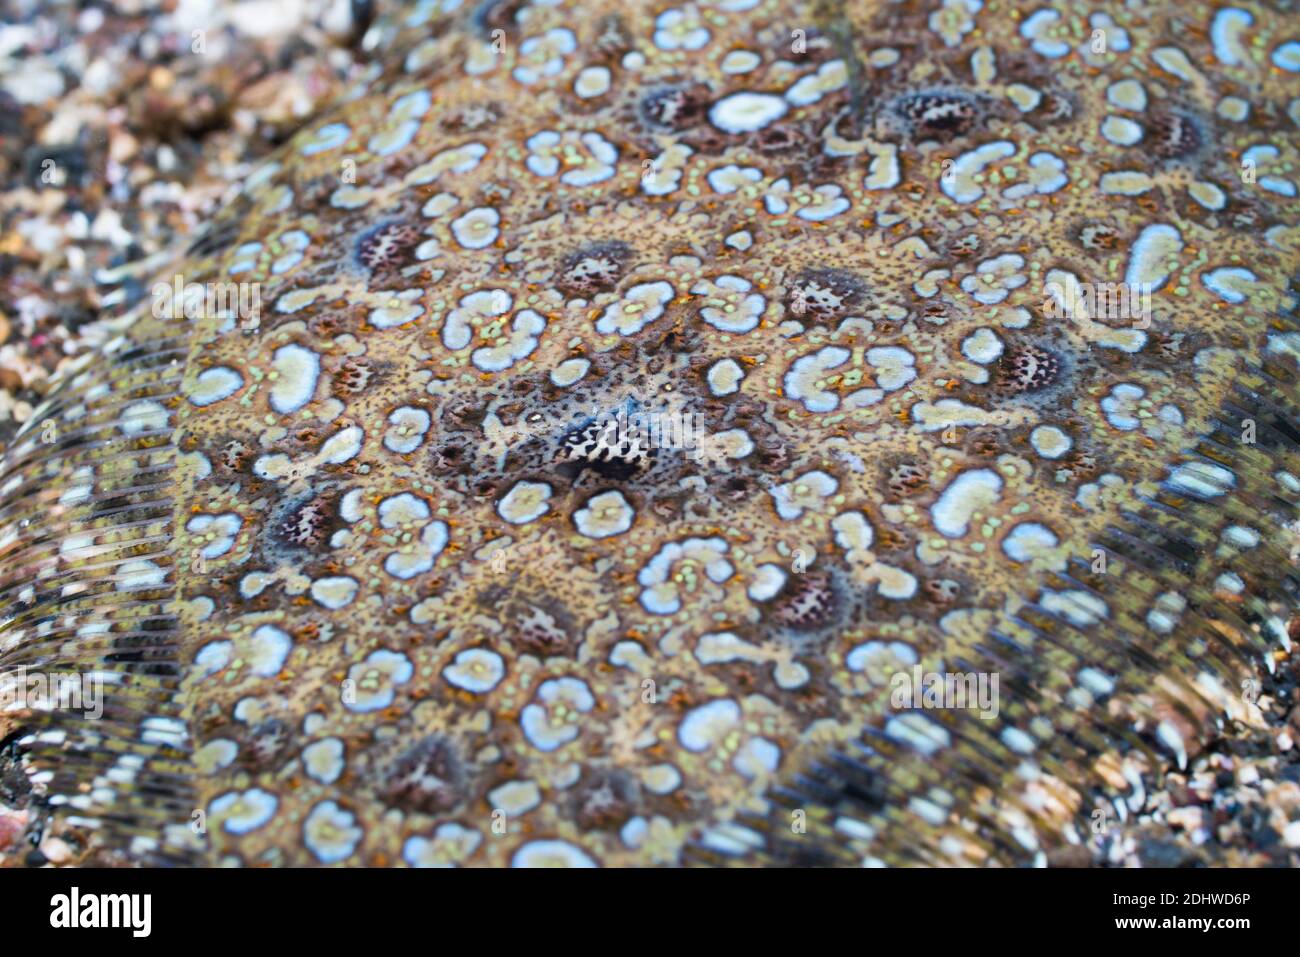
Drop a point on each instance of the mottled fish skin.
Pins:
(370, 593)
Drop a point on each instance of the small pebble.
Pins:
(56, 850)
(1291, 834)
(1187, 818)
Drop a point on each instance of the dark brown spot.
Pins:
(428, 777)
(938, 114)
(540, 634)
(612, 36)
(1026, 369)
(593, 269)
(942, 591)
(1171, 135)
(235, 455)
(906, 478)
(675, 107)
(353, 376)
(983, 442)
(267, 743)
(825, 294)
(308, 525)
(1054, 107)
(965, 246)
(1098, 237)
(605, 799)
(779, 138)
(806, 603)
(387, 248)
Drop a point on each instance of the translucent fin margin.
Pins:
(89, 671)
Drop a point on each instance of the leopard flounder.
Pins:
(366, 584)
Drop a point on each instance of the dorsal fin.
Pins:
(87, 622)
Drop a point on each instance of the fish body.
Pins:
(985, 315)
